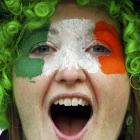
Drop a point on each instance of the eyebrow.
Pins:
(53, 31)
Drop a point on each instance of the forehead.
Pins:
(77, 26)
(70, 10)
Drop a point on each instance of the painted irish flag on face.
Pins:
(68, 44)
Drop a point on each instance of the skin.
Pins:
(108, 93)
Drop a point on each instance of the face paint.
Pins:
(31, 40)
(72, 38)
(30, 67)
(114, 63)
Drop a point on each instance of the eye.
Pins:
(98, 49)
(43, 50)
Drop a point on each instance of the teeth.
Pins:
(56, 102)
(67, 102)
(83, 102)
(61, 102)
(71, 102)
(74, 102)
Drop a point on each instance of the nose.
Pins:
(70, 76)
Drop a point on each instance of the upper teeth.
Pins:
(71, 102)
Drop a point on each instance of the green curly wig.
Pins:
(18, 16)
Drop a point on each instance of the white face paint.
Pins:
(71, 37)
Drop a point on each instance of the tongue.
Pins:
(69, 125)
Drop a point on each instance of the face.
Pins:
(70, 81)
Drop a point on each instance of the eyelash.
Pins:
(98, 49)
(95, 49)
(43, 50)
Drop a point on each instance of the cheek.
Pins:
(28, 67)
(30, 92)
(104, 86)
(26, 92)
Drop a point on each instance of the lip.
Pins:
(80, 134)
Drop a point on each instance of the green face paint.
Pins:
(30, 67)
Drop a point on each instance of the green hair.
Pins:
(17, 16)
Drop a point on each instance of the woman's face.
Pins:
(71, 83)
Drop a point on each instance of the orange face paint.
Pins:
(113, 63)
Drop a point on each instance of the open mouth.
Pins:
(70, 115)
